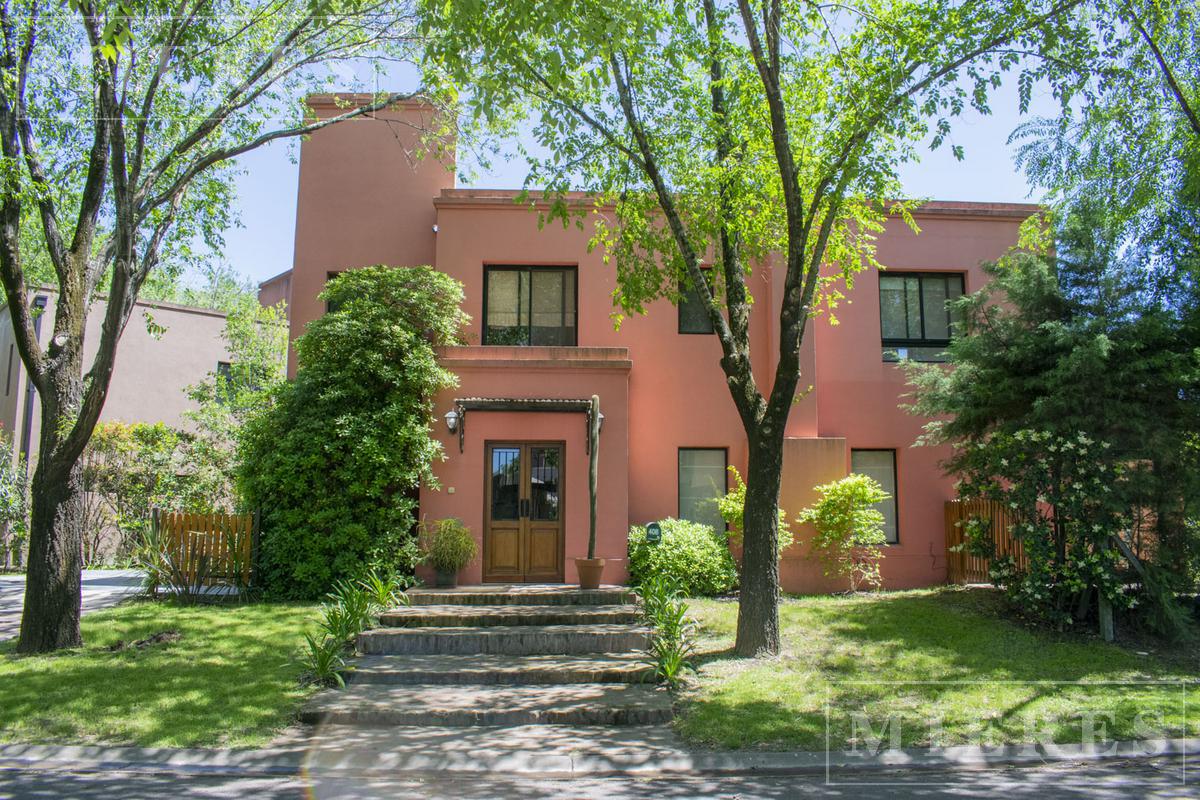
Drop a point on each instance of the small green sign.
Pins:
(653, 533)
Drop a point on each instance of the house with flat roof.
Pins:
(542, 341)
(165, 348)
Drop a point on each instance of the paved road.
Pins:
(101, 588)
(1155, 780)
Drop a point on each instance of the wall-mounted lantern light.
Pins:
(452, 420)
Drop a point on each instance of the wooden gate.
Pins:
(208, 549)
(962, 566)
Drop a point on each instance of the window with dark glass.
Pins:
(529, 306)
(693, 316)
(880, 465)
(914, 316)
(701, 482)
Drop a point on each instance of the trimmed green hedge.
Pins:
(694, 554)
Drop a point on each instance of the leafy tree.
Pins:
(334, 464)
(758, 135)
(1128, 154)
(118, 125)
(1076, 403)
(257, 339)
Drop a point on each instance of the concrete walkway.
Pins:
(101, 588)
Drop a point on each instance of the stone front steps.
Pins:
(493, 669)
(462, 706)
(501, 656)
(428, 616)
(512, 640)
(522, 595)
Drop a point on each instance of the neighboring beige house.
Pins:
(277, 289)
(150, 374)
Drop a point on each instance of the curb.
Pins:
(296, 761)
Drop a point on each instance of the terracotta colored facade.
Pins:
(365, 200)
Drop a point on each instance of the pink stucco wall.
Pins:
(363, 201)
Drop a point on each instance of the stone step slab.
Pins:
(370, 705)
(499, 594)
(538, 670)
(519, 640)
(436, 616)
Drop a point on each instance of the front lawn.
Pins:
(921, 656)
(229, 680)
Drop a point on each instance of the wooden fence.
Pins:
(208, 549)
(962, 566)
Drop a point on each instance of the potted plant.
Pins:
(448, 547)
(591, 568)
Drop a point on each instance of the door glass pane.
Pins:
(508, 304)
(544, 477)
(548, 317)
(701, 482)
(506, 482)
(880, 465)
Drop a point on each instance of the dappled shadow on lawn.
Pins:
(230, 678)
(939, 662)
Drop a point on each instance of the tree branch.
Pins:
(1176, 91)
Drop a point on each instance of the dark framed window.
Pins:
(914, 317)
(331, 307)
(530, 306)
(693, 316)
(703, 474)
(881, 465)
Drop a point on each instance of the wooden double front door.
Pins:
(523, 508)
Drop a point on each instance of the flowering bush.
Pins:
(1058, 489)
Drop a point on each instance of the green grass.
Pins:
(230, 680)
(922, 655)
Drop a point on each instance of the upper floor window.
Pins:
(913, 314)
(693, 316)
(529, 306)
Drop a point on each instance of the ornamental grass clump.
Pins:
(849, 531)
(448, 546)
(671, 642)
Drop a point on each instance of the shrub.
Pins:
(849, 530)
(334, 462)
(322, 660)
(693, 554)
(733, 505)
(449, 546)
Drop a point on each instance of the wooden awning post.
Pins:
(593, 469)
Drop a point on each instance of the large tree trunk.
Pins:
(53, 593)
(758, 611)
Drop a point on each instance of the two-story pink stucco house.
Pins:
(543, 342)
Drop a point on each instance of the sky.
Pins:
(266, 189)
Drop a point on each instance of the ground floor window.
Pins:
(701, 481)
(880, 465)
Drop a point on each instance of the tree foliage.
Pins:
(1076, 403)
(119, 123)
(749, 135)
(335, 462)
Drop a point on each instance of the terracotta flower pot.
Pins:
(589, 572)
